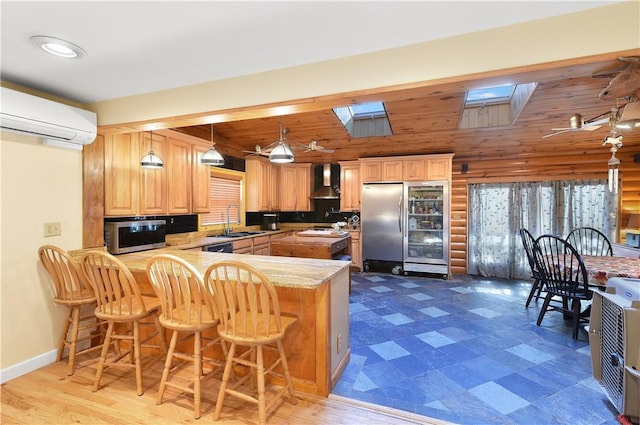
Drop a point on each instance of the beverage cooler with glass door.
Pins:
(427, 227)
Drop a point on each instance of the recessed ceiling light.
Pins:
(57, 47)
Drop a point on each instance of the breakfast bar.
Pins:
(315, 290)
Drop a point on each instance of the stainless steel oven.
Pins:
(136, 235)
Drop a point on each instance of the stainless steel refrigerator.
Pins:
(405, 226)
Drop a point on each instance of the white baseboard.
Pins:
(27, 366)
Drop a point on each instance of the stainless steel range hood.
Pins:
(326, 191)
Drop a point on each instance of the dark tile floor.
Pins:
(469, 352)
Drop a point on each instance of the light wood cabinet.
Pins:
(295, 184)
(350, 186)
(439, 168)
(356, 251)
(415, 170)
(371, 171)
(392, 170)
(178, 165)
(261, 245)
(200, 183)
(259, 184)
(243, 246)
(153, 181)
(122, 174)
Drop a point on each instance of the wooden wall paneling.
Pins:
(93, 194)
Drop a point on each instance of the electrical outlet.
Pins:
(339, 344)
(52, 229)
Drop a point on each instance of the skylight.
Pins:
(364, 119)
(487, 95)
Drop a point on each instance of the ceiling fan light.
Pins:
(630, 118)
(151, 160)
(212, 157)
(281, 154)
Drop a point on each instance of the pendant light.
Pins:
(282, 153)
(212, 156)
(630, 118)
(151, 160)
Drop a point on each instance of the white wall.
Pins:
(38, 184)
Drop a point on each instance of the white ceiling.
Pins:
(146, 46)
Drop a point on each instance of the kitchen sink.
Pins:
(239, 234)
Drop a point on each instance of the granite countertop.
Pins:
(304, 273)
(195, 242)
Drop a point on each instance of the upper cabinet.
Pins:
(406, 168)
(350, 186)
(180, 187)
(295, 182)
(272, 187)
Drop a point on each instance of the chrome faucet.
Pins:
(227, 229)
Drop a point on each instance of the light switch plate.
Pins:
(52, 229)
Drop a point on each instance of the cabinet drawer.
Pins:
(242, 244)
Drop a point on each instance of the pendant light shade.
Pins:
(151, 160)
(281, 154)
(212, 156)
(630, 118)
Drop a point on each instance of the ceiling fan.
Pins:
(259, 151)
(577, 123)
(313, 146)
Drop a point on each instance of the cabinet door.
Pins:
(371, 171)
(349, 186)
(121, 174)
(153, 182)
(258, 175)
(356, 253)
(178, 164)
(415, 170)
(244, 246)
(303, 187)
(439, 169)
(392, 171)
(289, 186)
(200, 200)
(274, 187)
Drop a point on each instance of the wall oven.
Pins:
(136, 235)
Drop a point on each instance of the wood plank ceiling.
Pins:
(425, 118)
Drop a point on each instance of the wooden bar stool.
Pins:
(125, 309)
(72, 291)
(187, 308)
(250, 317)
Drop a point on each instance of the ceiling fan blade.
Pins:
(557, 132)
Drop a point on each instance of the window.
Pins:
(225, 188)
(364, 119)
(498, 94)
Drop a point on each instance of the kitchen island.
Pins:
(313, 244)
(316, 291)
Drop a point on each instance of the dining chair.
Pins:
(590, 241)
(564, 275)
(187, 308)
(71, 290)
(537, 287)
(123, 307)
(251, 318)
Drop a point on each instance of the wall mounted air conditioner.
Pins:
(614, 337)
(51, 121)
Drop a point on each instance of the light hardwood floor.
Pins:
(49, 396)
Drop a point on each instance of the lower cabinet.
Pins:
(243, 246)
(261, 245)
(356, 253)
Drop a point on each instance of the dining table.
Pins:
(602, 268)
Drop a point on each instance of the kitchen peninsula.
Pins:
(316, 291)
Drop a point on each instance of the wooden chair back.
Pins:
(527, 242)
(116, 290)
(561, 267)
(68, 283)
(247, 301)
(185, 303)
(590, 241)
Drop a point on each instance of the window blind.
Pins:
(223, 191)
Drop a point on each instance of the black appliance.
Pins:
(137, 235)
(219, 247)
(269, 222)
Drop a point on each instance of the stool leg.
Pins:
(197, 373)
(75, 324)
(167, 366)
(137, 357)
(287, 374)
(103, 357)
(225, 378)
(63, 335)
(262, 411)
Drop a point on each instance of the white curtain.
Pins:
(498, 210)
